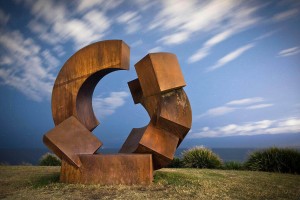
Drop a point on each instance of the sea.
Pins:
(32, 156)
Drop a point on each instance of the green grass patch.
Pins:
(39, 182)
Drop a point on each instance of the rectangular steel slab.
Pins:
(110, 169)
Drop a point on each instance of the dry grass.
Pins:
(32, 182)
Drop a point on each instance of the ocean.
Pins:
(32, 156)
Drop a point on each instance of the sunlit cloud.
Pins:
(289, 52)
(231, 106)
(230, 57)
(105, 106)
(280, 126)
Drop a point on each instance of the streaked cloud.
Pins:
(155, 49)
(205, 50)
(280, 126)
(25, 67)
(105, 106)
(230, 57)
(60, 25)
(246, 101)
(218, 111)
(137, 43)
(185, 18)
(258, 106)
(104, 5)
(231, 106)
(285, 15)
(289, 52)
(130, 20)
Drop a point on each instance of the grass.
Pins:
(39, 182)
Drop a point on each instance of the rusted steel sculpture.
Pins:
(158, 88)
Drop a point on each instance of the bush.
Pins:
(233, 165)
(200, 157)
(50, 159)
(274, 160)
(176, 163)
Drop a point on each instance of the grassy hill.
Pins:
(32, 182)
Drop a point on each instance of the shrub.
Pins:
(233, 165)
(200, 157)
(176, 163)
(274, 160)
(50, 159)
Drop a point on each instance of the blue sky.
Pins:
(240, 60)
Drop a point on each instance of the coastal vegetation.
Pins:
(281, 160)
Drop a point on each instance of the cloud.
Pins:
(3, 17)
(280, 126)
(218, 111)
(105, 106)
(82, 26)
(24, 67)
(155, 49)
(83, 5)
(258, 106)
(266, 35)
(245, 101)
(181, 20)
(176, 38)
(130, 20)
(230, 57)
(285, 15)
(231, 106)
(137, 43)
(289, 52)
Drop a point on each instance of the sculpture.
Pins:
(158, 88)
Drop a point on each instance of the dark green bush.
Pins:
(176, 163)
(274, 159)
(200, 157)
(233, 165)
(50, 159)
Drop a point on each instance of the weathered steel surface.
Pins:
(159, 89)
(109, 169)
(71, 138)
(77, 79)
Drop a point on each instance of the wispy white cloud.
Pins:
(280, 126)
(258, 106)
(230, 57)
(182, 20)
(155, 49)
(218, 111)
(137, 43)
(229, 107)
(30, 71)
(245, 101)
(105, 106)
(266, 35)
(130, 19)
(61, 25)
(289, 52)
(104, 5)
(285, 15)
